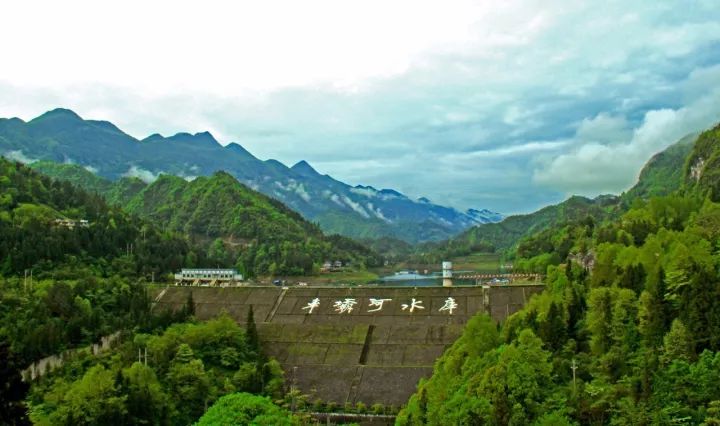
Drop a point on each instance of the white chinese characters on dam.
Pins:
(347, 305)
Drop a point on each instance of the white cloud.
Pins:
(336, 199)
(367, 192)
(378, 213)
(91, 169)
(604, 129)
(468, 103)
(19, 156)
(144, 175)
(595, 168)
(355, 206)
(302, 193)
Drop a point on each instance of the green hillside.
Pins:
(30, 238)
(239, 226)
(664, 173)
(264, 235)
(62, 136)
(702, 168)
(64, 285)
(627, 331)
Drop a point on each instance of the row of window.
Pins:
(209, 274)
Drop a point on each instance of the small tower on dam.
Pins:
(447, 274)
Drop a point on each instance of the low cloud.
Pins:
(526, 102)
(144, 175)
(356, 206)
(602, 162)
(20, 157)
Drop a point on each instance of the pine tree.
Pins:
(678, 343)
(190, 305)
(251, 333)
(12, 389)
(553, 330)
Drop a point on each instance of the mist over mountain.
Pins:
(63, 136)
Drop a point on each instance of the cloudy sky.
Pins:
(499, 104)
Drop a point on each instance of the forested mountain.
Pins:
(31, 236)
(65, 282)
(87, 279)
(360, 211)
(260, 232)
(664, 172)
(627, 331)
(242, 227)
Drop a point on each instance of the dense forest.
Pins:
(627, 331)
(238, 227)
(178, 375)
(66, 283)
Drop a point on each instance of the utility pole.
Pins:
(574, 367)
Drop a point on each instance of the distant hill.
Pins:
(242, 226)
(664, 173)
(505, 234)
(62, 136)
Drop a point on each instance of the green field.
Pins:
(488, 263)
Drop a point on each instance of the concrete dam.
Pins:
(367, 344)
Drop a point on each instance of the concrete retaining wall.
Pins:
(360, 355)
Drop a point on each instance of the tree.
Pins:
(244, 408)
(251, 333)
(189, 385)
(678, 344)
(146, 402)
(553, 330)
(190, 305)
(12, 389)
(92, 400)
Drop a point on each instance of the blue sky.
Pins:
(506, 105)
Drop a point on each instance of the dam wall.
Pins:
(367, 344)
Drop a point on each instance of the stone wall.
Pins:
(361, 355)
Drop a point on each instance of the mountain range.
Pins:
(358, 211)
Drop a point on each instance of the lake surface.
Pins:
(411, 279)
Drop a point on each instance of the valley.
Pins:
(119, 265)
(436, 213)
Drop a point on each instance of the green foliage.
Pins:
(663, 173)
(232, 225)
(92, 400)
(513, 229)
(189, 366)
(12, 388)
(113, 241)
(244, 409)
(702, 167)
(630, 302)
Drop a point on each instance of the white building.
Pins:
(207, 277)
